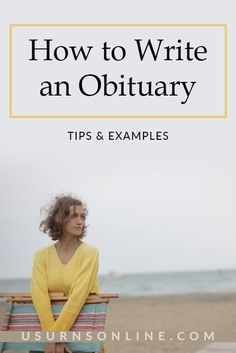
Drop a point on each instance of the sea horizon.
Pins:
(151, 283)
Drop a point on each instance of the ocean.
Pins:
(148, 284)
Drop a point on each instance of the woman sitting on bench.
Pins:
(70, 266)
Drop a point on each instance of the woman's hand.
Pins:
(57, 348)
(62, 348)
(50, 348)
(67, 349)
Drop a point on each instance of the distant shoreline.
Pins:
(152, 284)
(124, 274)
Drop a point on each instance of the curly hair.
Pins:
(58, 213)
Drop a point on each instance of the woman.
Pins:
(69, 266)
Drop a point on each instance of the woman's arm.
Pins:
(39, 292)
(82, 286)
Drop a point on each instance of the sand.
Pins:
(185, 313)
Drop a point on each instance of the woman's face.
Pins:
(75, 224)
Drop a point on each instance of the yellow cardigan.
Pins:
(77, 279)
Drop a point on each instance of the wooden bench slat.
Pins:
(54, 295)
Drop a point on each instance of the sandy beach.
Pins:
(165, 318)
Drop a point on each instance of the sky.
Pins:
(153, 205)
